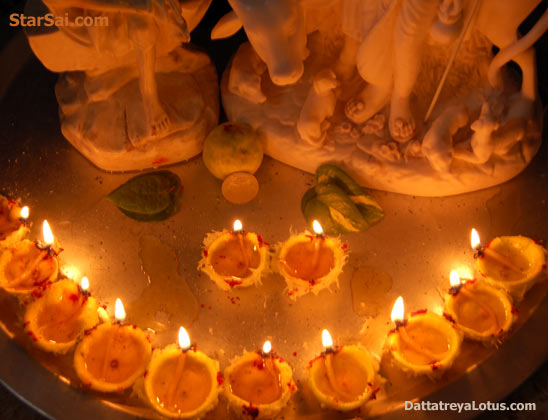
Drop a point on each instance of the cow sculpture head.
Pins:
(275, 29)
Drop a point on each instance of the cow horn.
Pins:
(227, 26)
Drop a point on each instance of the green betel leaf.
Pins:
(339, 203)
(152, 196)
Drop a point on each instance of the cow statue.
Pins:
(119, 90)
(277, 31)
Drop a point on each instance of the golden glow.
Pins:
(184, 339)
(119, 311)
(47, 233)
(24, 214)
(84, 283)
(454, 278)
(327, 341)
(267, 347)
(398, 311)
(70, 272)
(318, 230)
(474, 238)
(103, 314)
(238, 225)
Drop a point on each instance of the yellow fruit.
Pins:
(232, 147)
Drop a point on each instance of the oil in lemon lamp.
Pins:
(310, 263)
(259, 384)
(13, 222)
(514, 263)
(343, 378)
(182, 382)
(112, 356)
(60, 315)
(481, 311)
(28, 266)
(423, 342)
(234, 259)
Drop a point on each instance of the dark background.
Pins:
(535, 389)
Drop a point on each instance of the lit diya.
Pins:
(423, 342)
(343, 378)
(514, 263)
(234, 259)
(112, 356)
(28, 266)
(259, 384)
(182, 382)
(60, 315)
(482, 312)
(311, 263)
(13, 222)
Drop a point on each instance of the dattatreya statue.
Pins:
(407, 95)
(131, 96)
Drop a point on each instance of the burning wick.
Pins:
(398, 318)
(184, 344)
(485, 251)
(318, 230)
(268, 360)
(238, 230)
(329, 352)
(457, 286)
(24, 214)
(45, 249)
(84, 286)
(120, 315)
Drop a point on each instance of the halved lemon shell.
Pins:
(214, 241)
(296, 286)
(356, 370)
(12, 229)
(55, 320)
(438, 328)
(15, 261)
(258, 411)
(468, 315)
(199, 383)
(528, 257)
(128, 356)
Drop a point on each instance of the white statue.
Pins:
(131, 96)
(400, 60)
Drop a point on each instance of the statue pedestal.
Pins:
(112, 132)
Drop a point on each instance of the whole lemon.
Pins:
(232, 147)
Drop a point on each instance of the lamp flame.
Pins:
(238, 225)
(24, 214)
(398, 311)
(184, 339)
(454, 279)
(267, 347)
(84, 283)
(317, 227)
(327, 341)
(119, 311)
(47, 233)
(474, 238)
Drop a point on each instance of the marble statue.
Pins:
(132, 93)
(407, 95)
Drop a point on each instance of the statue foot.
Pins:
(366, 104)
(158, 120)
(401, 123)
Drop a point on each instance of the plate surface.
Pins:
(410, 253)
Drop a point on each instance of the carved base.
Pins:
(367, 150)
(103, 115)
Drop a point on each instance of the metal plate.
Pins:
(416, 245)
